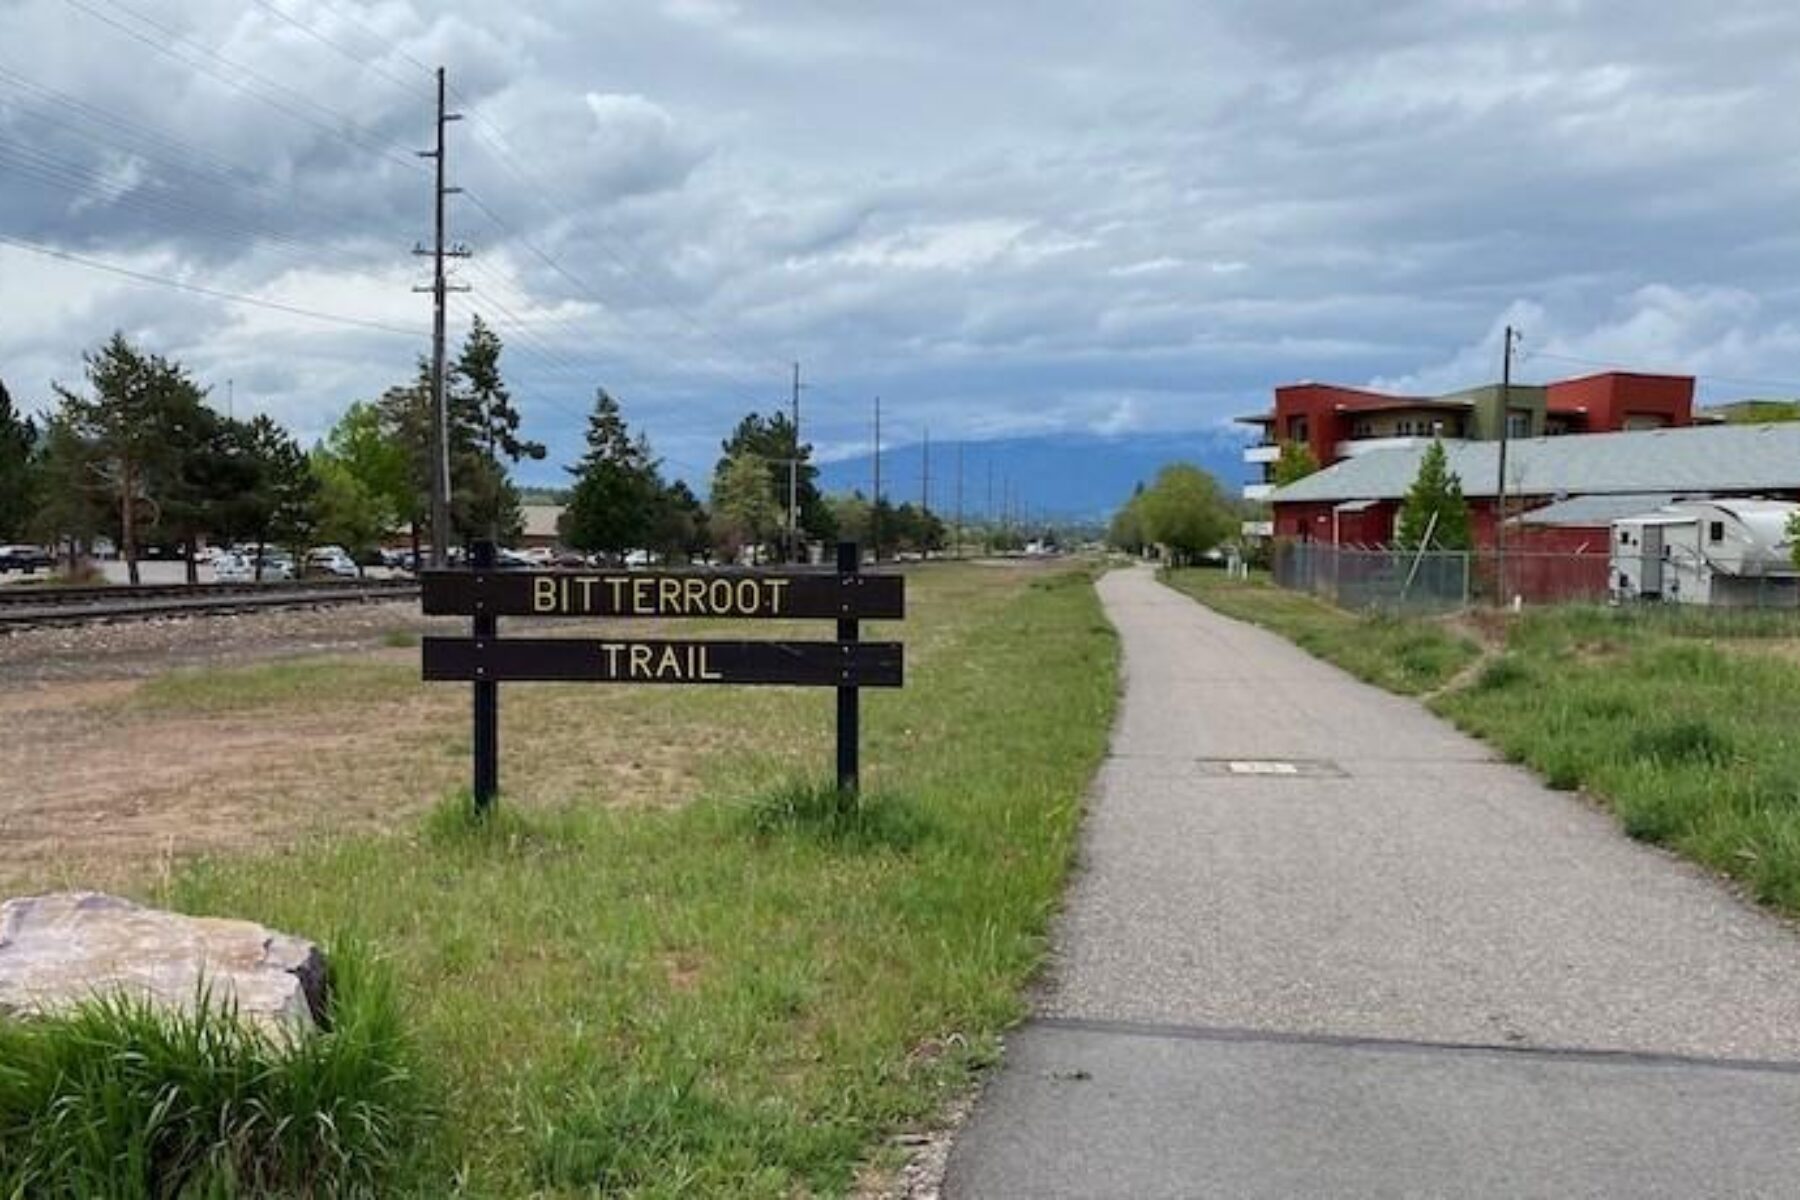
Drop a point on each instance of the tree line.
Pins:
(134, 455)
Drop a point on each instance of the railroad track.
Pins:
(32, 607)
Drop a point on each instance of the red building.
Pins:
(1339, 422)
(1356, 502)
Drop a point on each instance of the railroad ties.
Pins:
(28, 606)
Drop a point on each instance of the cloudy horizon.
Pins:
(1005, 220)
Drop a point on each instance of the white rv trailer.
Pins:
(1719, 552)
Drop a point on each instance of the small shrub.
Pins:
(456, 824)
(1500, 674)
(821, 811)
(118, 1098)
(1683, 740)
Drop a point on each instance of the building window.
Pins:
(1715, 531)
(1297, 429)
(1518, 424)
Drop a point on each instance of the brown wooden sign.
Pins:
(485, 594)
(764, 595)
(570, 660)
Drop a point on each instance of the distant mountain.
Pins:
(1068, 476)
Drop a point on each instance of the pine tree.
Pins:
(483, 403)
(72, 496)
(18, 441)
(613, 506)
(137, 420)
(1436, 492)
(484, 438)
(281, 509)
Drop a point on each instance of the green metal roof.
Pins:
(1698, 459)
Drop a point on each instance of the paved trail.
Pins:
(1407, 969)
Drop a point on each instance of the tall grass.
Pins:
(118, 1098)
(1681, 722)
(1406, 656)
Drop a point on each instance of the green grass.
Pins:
(1672, 719)
(744, 995)
(1406, 656)
(118, 1099)
(1679, 719)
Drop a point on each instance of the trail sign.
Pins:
(771, 595)
(485, 659)
(553, 660)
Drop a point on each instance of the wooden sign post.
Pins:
(485, 594)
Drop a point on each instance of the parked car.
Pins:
(331, 560)
(233, 568)
(276, 567)
(25, 558)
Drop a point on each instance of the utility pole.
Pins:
(1506, 362)
(925, 496)
(440, 289)
(959, 498)
(794, 477)
(875, 505)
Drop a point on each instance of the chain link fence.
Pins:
(1440, 581)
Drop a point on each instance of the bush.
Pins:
(121, 1099)
(821, 811)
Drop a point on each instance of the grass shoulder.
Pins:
(1680, 720)
(1407, 656)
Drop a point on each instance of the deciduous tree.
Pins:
(1126, 530)
(772, 439)
(743, 505)
(1185, 511)
(1297, 461)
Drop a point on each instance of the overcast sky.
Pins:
(1005, 219)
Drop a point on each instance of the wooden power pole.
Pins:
(1506, 362)
(440, 289)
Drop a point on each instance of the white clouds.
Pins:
(1002, 217)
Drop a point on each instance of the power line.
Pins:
(490, 136)
(172, 38)
(381, 72)
(1787, 384)
(69, 178)
(202, 290)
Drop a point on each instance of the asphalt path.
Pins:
(1322, 944)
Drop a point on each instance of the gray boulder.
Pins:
(60, 949)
